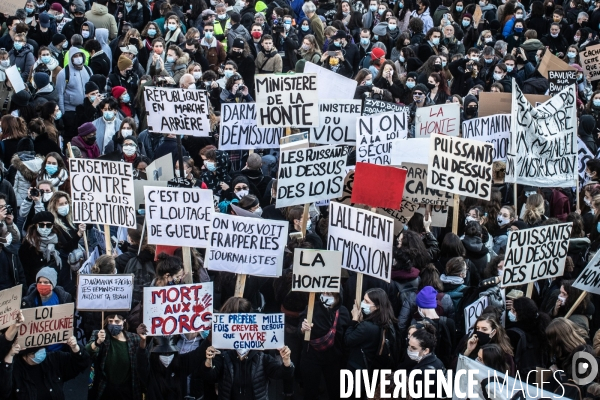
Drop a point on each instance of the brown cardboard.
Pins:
(552, 63)
(501, 103)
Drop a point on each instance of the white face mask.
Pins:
(327, 300)
(502, 221)
(469, 219)
(166, 360)
(366, 308)
(78, 60)
(197, 75)
(413, 355)
(126, 133)
(129, 150)
(63, 210)
(258, 211)
(242, 352)
(562, 300)
(241, 193)
(192, 86)
(587, 202)
(46, 197)
(44, 232)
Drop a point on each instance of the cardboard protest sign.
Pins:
(287, 100)
(10, 304)
(365, 239)
(316, 270)
(501, 103)
(86, 267)
(138, 190)
(178, 309)
(443, 119)
(178, 216)
(543, 149)
(372, 106)
(177, 111)
(536, 253)
(494, 129)
(337, 122)
(15, 78)
(474, 310)
(560, 80)
(248, 331)
(590, 58)
(375, 134)
(346, 196)
(9, 7)
(46, 325)
(401, 216)
(308, 175)
(589, 279)
(583, 156)
(102, 192)
(460, 166)
(416, 189)
(104, 292)
(239, 130)
(439, 214)
(410, 151)
(329, 82)
(552, 63)
(378, 185)
(246, 245)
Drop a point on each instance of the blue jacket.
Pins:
(100, 125)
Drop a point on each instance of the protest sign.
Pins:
(287, 100)
(589, 279)
(375, 134)
(178, 309)
(372, 106)
(178, 216)
(416, 189)
(410, 151)
(439, 215)
(550, 62)
(86, 268)
(10, 7)
(365, 239)
(14, 77)
(337, 122)
(246, 245)
(494, 129)
(312, 174)
(373, 186)
(346, 196)
(492, 103)
(583, 155)
(138, 191)
(46, 325)
(590, 58)
(177, 111)
(560, 80)
(102, 192)
(460, 166)
(473, 311)
(443, 119)
(239, 130)
(104, 292)
(161, 169)
(543, 149)
(329, 82)
(536, 253)
(316, 270)
(248, 331)
(10, 304)
(401, 216)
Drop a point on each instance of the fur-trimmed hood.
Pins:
(28, 166)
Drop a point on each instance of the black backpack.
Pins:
(387, 355)
(526, 356)
(143, 275)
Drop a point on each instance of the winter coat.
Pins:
(269, 63)
(476, 252)
(214, 53)
(100, 63)
(429, 362)
(15, 274)
(44, 95)
(27, 167)
(100, 125)
(32, 298)
(586, 130)
(58, 180)
(362, 340)
(23, 59)
(135, 16)
(101, 18)
(72, 93)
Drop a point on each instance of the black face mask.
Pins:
(429, 85)
(79, 20)
(437, 67)
(90, 140)
(483, 338)
(471, 111)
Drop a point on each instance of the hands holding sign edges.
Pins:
(211, 352)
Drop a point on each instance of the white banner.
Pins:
(104, 292)
(494, 129)
(239, 130)
(316, 270)
(584, 155)
(330, 84)
(375, 134)
(177, 111)
(248, 331)
(337, 122)
(589, 278)
(444, 119)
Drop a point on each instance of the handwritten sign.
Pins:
(178, 309)
(337, 122)
(239, 130)
(416, 190)
(102, 192)
(375, 134)
(493, 129)
(104, 292)
(46, 325)
(316, 270)
(178, 111)
(86, 268)
(372, 106)
(560, 80)
(474, 311)
(10, 304)
(584, 155)
(248, 331)
(443, 119)
(589, 279)
(401, 216)
(590, 58)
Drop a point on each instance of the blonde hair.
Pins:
(53, 208)
(534, 208)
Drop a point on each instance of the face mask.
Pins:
(502, 221)
(59, 17)
(170, 59)
(554, 35)
(46, 59)
(211, 166)
(78, 60)
(376, 37)
(410, 85)
(204, 334)
(172, 27)
(197, 75)
(562, 299)
(304, 28)
(90, 140)
(327, 300)
(109, 115)
(518, 30)
(166, 360)
(126, 98)
(469, 219)
(58, 115)
(497, 77)
(128, 6)
(509, 68)
(85, 34)
(5, 63)
(8, 238)
(258, 211)
(129, 150)
(372, 8)
(519, 16)
(413, 355)
(474, 58)
(242, 193)
(18, 46)
(576, 38)
(369, 82)
(46, 197)
(126, 132)
(587, 202)
(571, 54)
(429, 85)
(482, 4)
(65, 44)
(527, 194)
(400, 6)
(44, 289)
(365, 41)
(381, 11)
(309, 225)
(401, 59)
(151, 32)
(222, 16)
(29, 10)
(228, 73)
(512, 317)
(472, 110)
(466, 23)
(488, 60)
(366, 308)
(39, 356)
(114, 330)
(484, 338)
(435, 41)
(63, 210)
(242, 352)
(596, 102)
(208, 35)
(459, 8)
(598, 225)
(51, 169)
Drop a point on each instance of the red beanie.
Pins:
(377, 53)
(118, 91)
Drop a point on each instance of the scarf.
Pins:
(48, 248)
(131, 158)
(454, 280)
(148, 44)
(92, 150)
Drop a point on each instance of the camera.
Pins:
(35, 192)
(277, 26)
(9, 209)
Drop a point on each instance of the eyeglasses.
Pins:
(237, 189)
(45, 225)
(417, 94)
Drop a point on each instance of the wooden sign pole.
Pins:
(455, 214)
(85, 242)
(186, 252)
(305, 218)
(515, 198)
(240, 285)
(107, 239)
(576, 304)
(309, 313)
(529, 289)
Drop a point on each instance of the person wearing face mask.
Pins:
(505, 219)
(421, 346)
(566, 298)
(110, 122)
(88, 110)
(191, 172)
(45, 292)
(322, 355)
(21, 55)
(286, 42)
(125, 100)
(470, 108)
(487, 330)
(240, 56)
(420, 99)
(555, 42)
(214, 171)
(240, 188)
(113, 351)
(86, 141)
(422, 13)
(53, 170)
(128, 129)
(430, 46)
(10, 264)
(212, 49)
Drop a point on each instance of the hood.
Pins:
(578, 244)
(99, 9)
(91, 27)
(102, 36)
(183, 60)
(488, 7)
(587, 124)
(72, 52)
(474, 245)
(532, 44)
(28, 169)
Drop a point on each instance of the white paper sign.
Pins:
(46, 325)
(494, 129)
(316, 270)
(239, 130)
(364, 238)
(375, 134)
(584, 155)
(443, 119)
(414, 151)
(86, 268)
(104, 292)
(589, 279)
(244, 245)
(178, 216)
(337, 122)
(10, 304)
(473, 311)
(330, 84)
(248, 331)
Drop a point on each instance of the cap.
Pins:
(380, 29)
(340, 34)
(377, 53)
(129, 49)
(85, 130)
(421, 87)
(44, 19)
(132, 138)
(118, 91)
(90, 87)
(207, 13)
(56, 7)
(21, 98)
(238, 43)
(47, 272)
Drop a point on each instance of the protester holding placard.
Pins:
(10, 263)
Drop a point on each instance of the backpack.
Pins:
(444, 339)
(387, 355)
(67, 75)
(456, 295)
(526, 357)
(143, 275)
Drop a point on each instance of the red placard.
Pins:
(170, 250)
(378, 185)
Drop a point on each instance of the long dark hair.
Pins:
(493, 357)
(452, 246)
(384, 314)
(412, 252)
(530, 319)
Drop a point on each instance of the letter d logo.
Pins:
(584, 368)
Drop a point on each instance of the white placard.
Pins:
(178, 216)
(330, 84)
(439, 215)
(584, 155)
(374, 136)
(494, 129)
(86, 267)
(104, 292)
(316, 270)
(444, 119)
(177, 111)
(244, 245)
(248, 331)
(239, 130)
(589, 279)
(372, 106)
(10, 304)
(474, 310)
(102, 192)
(414, 151)
(364, 238)
(337, 122)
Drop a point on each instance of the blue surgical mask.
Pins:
(512, 317)
(39, 356)
(571, 54)
(109, 115)
(401, 59)
(518, 30)
(228, 73)
(58, 115)
(304, 28)
(598, 226)
(435, 41)
(373, 8)
(151, 32)
(509, 68)
(366, 308)
(51, 169)
(29, 10)
(444, 64)
(172, 27)
(211, 166)
(204, 334)
(410, 85)
(488, 60)
(92, 98)
(337, 44)
(369, 82)
(208, 35)
(459, 8)
(400, 6)
(46, 59)
(170, 59)
(466, 23)
(365, 41)
(125, 98)
(596, 102)
(18, 46)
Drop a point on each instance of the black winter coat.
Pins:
(100, 64)
(362, 340)
(28, 300)
(16, 275)
(135, 17)
(322, 321)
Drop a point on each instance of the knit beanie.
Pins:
(41, 79)
(118, 91)
(58, 38)
(426, 298)
(48, 273)
(86, 129)
(42, 216)
(124, 63)
(90, 87)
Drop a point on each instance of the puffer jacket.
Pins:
(179, 68)
(27, 167)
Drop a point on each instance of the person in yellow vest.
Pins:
(222, 24)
